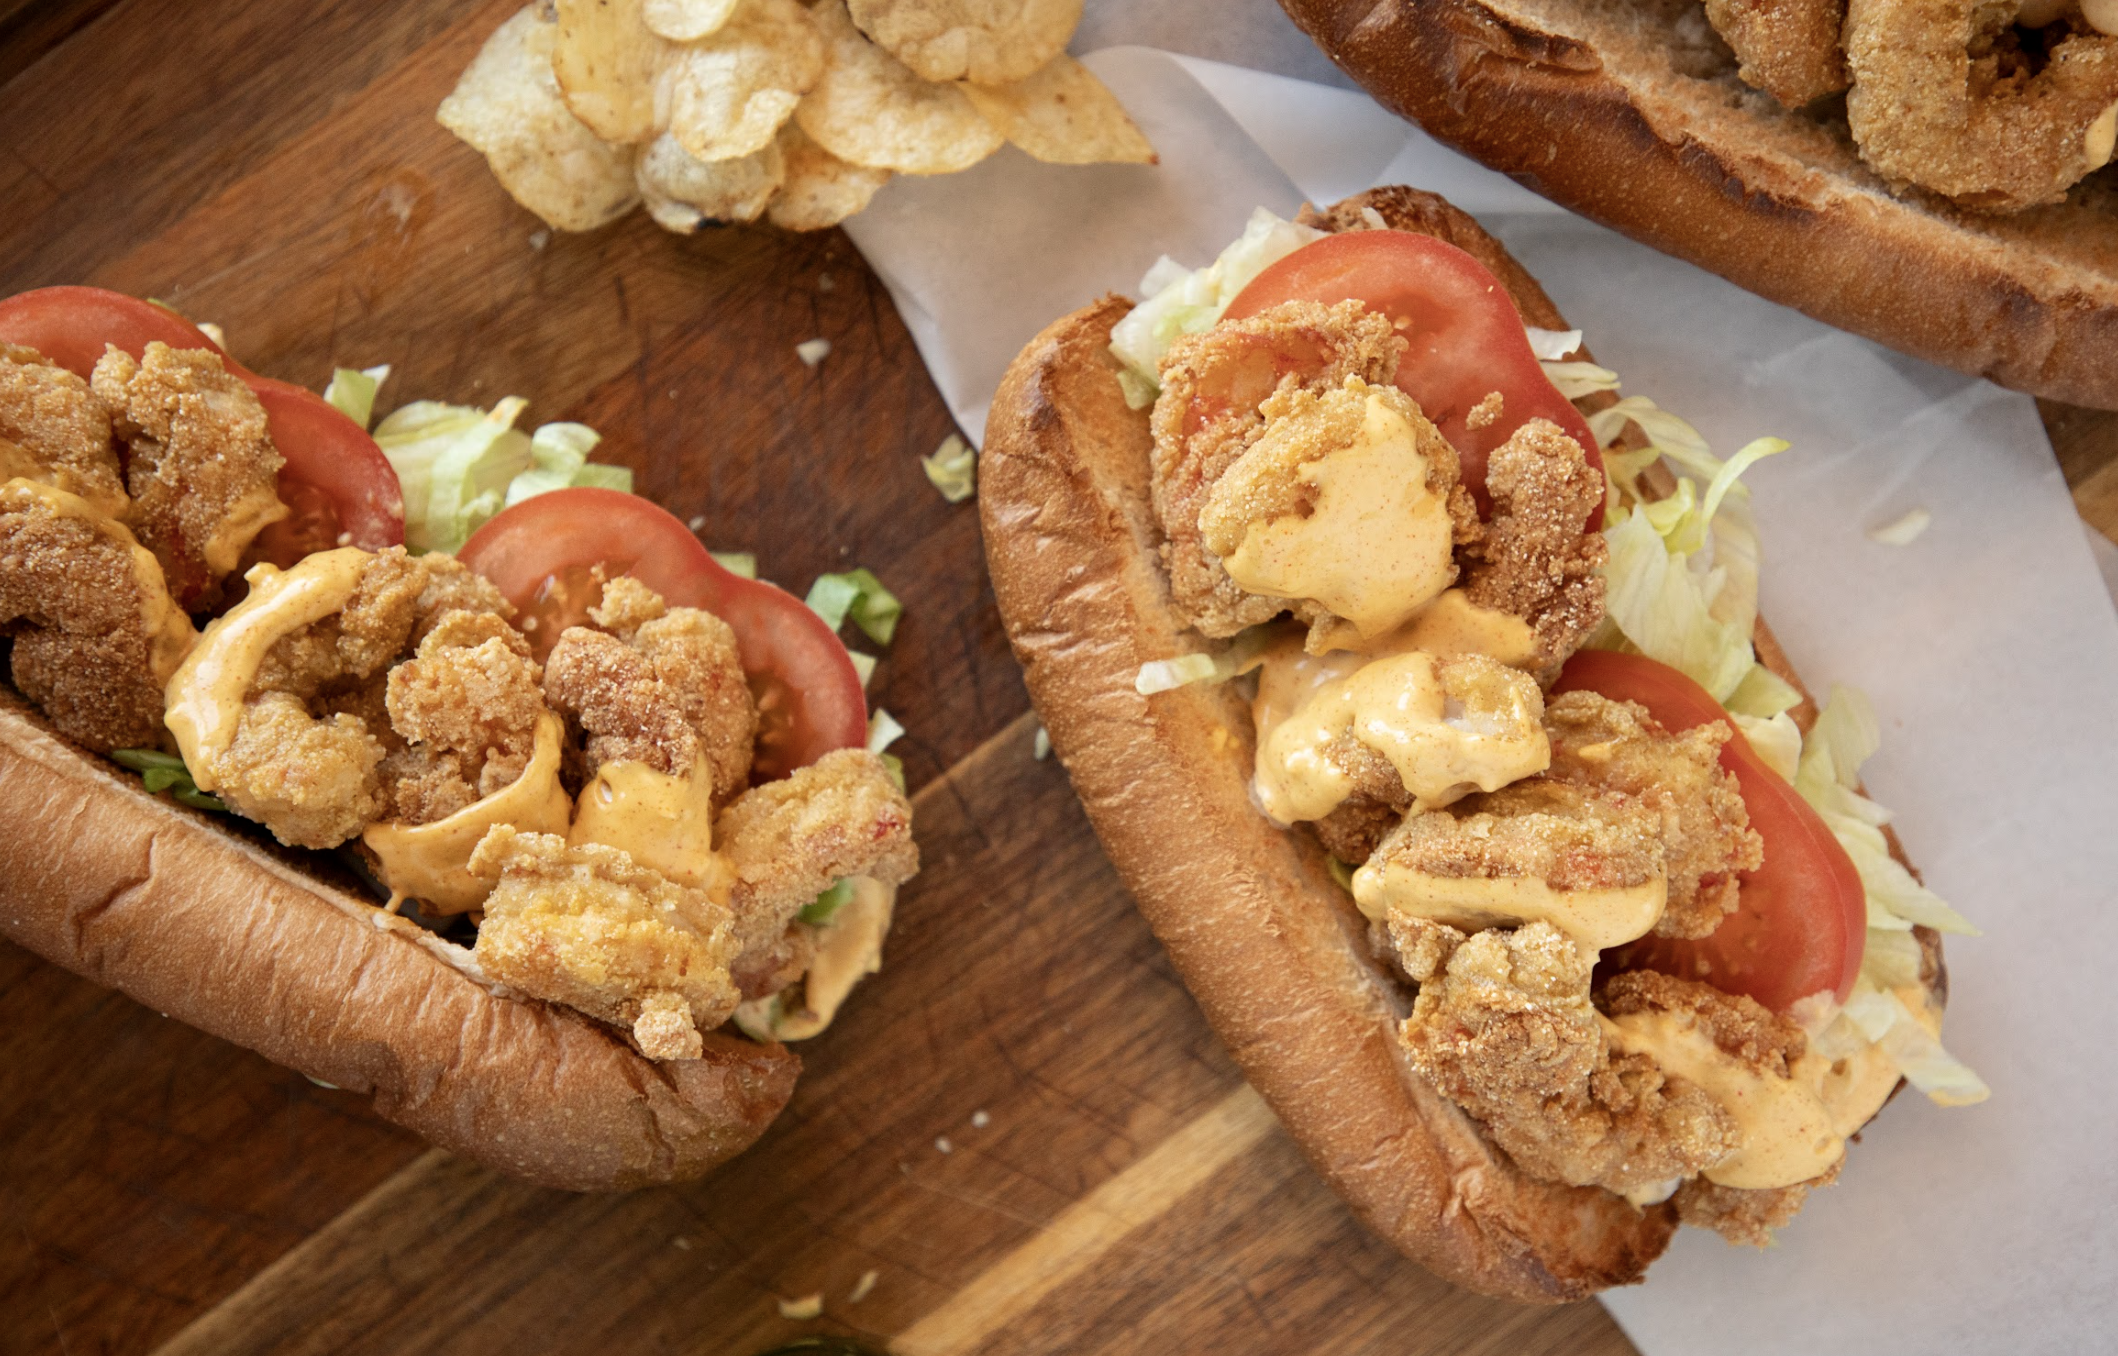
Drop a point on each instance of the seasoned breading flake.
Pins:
(1209, 413)
(588, 927)
(1700, 821)
(819, 190)
(730, 93)
(1064, 115)
(508, 106)
(1533, 559)
(95, 634)
(55, 430)
(870, 110)
(201, 469)
(987, 42)
(1506, 1030)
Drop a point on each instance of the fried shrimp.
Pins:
(1209, 413)
(325, 740)
(202, 470)
(790, 840)
(95, 633)
(466, 705)
(53, 429)
(660, 686)
(1533, 560)
(1505, 1029)
(1701, 823)
(588, 927)
(1788, 48)
(1945, 97)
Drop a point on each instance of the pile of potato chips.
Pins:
(729, 110)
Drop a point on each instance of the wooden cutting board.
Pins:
(1022, 1128)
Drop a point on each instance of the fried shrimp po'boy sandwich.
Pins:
(548, 844)
(1428, 715)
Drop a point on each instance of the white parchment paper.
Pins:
(1989, 646)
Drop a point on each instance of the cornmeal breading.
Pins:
(202, 470)
(588, 927)
(95, 635)
(1533, 560)
(467, 706)
(659, 686)
(53, 429)
(1617, 748)
(1361, 822)
(1746, 1216)
(1208, 415)
(790, 840)
(1788, 48)
(332, 739)
(1506, 1030)
(1570, 837)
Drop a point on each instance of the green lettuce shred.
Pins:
(352, 391)
(458, 465)
(740, 563)
(856, 595)
(952, 469)
(825, 906)
(1183, 301)
(161, 772)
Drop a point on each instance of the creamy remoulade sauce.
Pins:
(663, 822)
(1376, 545)
(1447, 725)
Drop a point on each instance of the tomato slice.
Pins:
(1801, 920)
(540, 553)
(338, 482)
(1466, 336)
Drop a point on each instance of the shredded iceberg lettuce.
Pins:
(352, 391)
(1552, 345)
(1187, 301)
(1576, 380)
(859, 595)
(458, 465)
(952, 469)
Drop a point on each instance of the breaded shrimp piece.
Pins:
(1275, 481)
(1534, 560)
(53, 429)
(1788, 48)
(1209, 413)
(467, 706)
(1746, 1216)
(96, 635)
(1507, 1032)
(792, 839)
(1617, 748)
(1569, 837)
(588, 927)
(451, 586)
(313, 782)
(203, 472)
(660, 686)
(357, 643)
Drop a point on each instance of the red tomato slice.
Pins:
(336, 479)
(1801, 921)
(1466, 336)
(540, 553)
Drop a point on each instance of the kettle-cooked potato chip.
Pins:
(729, 93)
(871, 110)
(509, 108)
(1065, 115)
(820, 189)
(609, 63)
(687, 20)
(682, 192)
(988, 42)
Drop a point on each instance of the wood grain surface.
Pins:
(1022, 1127)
